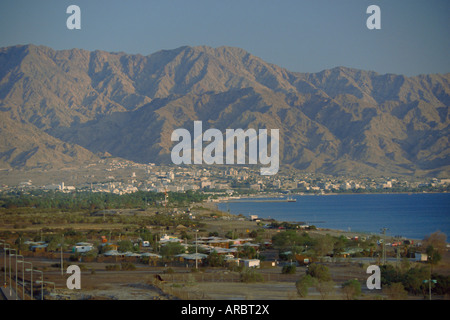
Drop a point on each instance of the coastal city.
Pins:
(120, 176)
(156, 232)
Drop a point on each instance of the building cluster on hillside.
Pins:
(122, 177)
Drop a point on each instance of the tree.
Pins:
(413, 280)
(339, 245)
(324, 245)
(171, 249)
(437, 239)
(248, 252)
(231, 234)
(290, 238)
(250, 275)
(351, 289)
(303, 285)
(434, 256)
(289, 269)
(395, 291)
(325, 288)
(319, 271)
(125, 245)
(215, 260)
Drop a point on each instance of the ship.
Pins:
(290, 199)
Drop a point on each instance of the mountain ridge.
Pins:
(337, 121)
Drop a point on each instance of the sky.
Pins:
(300, 35)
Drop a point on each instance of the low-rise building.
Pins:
(250, 263)
(82, 247)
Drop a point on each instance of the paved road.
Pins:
(5, 292)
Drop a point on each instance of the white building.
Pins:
(81, 247)
(420, 256)
(250, 263)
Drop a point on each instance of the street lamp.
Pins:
(15, 256)
(4, 260)
(47, 282)
(430, 280)
(42, 283)
(23, 275)
(10, 282)
(196, 251)
(62, 261)
(31, 280)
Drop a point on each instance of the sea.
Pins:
(412, 216)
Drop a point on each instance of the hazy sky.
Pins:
(304, 36)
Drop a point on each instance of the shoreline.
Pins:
(280, 195)
(320, 229)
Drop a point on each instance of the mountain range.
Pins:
(63, 108)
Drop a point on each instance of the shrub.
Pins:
(289, 269)
(319, 271)
(325, 288)
(127, 266)
(233, 266)
(169, 271)
(303, 284)
(112, 267)
(250, 275)
(395, 291)
(215, 260)
(351, 289)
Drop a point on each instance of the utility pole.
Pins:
(4, 258)
(196, 252)
(430, 280)
(62, 262)
(384, 246)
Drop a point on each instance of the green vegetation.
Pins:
(413, 280)
(86, 200)
(317, 276)
(290, 238)
(351, 289)
(127, 266)
(172, 249)
(289, 269)
(319, 272)
(113, 267)
(215, 260)
(250, 275)
(292, 242)
(395, 291)
(303, 284)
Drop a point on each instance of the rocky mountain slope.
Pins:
(63, 107)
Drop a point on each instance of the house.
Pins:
(39, 248)
(191, 257)
(166, 239)
(82, 247)
(111, 253)
(109, 246)
(420, 256)
(151, 255)
(223, 251)
(251, 263)
(152, 258)
(303, 260)
(146, 243)
(221, 243)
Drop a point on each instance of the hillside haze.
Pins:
(63, 108)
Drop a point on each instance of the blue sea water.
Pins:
(409, 215)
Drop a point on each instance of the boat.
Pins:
(289, 199)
